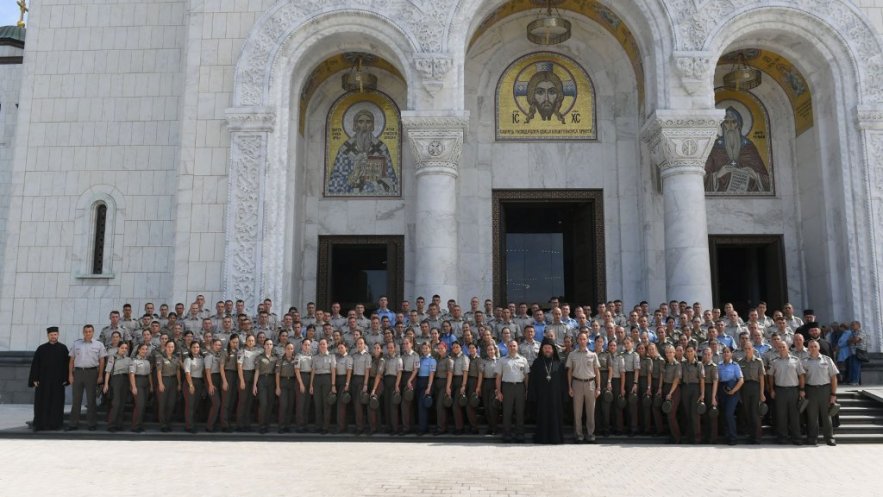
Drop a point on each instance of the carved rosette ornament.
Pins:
(249, 129)
(436, 141)
(680, 141)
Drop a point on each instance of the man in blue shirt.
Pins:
(382, 310)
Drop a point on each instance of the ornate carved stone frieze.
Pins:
(436, 140)
(433, 68)
(680, 141)
(250, 119)
(695, 70)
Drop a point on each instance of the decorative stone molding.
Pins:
(695, 70)
(436, 140)
(242, 254)
(680, 141)
(433, 68)
(250, 119)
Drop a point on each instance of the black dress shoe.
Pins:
(831, 442)
(112, 429)
(93, 428)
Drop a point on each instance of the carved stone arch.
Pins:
(84, 231)
(302, 24)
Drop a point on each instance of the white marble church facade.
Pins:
(184, 118)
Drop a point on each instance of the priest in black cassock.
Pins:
(49, 375)
(547, 387)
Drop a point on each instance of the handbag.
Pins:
(862, 355)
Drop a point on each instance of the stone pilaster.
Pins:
(869, 297)
(679, 144)
(247, 190)
(436, 141)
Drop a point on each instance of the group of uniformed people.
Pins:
(675, 371)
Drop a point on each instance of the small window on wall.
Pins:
(99, 228)
(99, 218)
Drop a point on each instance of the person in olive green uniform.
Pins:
(357, 382)
(323, 377)
(486, 389)
(753, 372)
(213, 365)
(343, 368)
(168, 376)
(602, 408)
(444, 373)
(410, 368)
(617, 384)
(709, 419)
(286, 387)
(821, 392)
(459, 373)
(374, 381)
(631, 363)
(229, 382)
(671, 380)
(658, 363)
(194, 369)
(392, 376)
(116, 381)
(141, 385)
(263, 385)
(303, 372)
(472, 386)
(692, 392)
(246, 367)
(644, 389)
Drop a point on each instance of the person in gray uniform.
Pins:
(410, 368)
(322, 383)
(459, 373)
(245, 365)
(357, 382)
(263, 385)
(86, 360)
(511, 386)
(303, 372)
(754, 373)
(821, 392)
(787, 386)
(140, 384)
(213, 365)
(392, 378)
(286, 387)
(487, 387)
(116, 379)
(444, 373)
(692, 392)
(194, 370)
(168, 376)
(229, 382)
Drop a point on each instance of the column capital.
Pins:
(258, 119)
(680, 140)
(436, 140)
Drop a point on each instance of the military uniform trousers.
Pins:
(191, 402)
(119, 388)
(374, 414)
(214, 408)
(472, 412)
(689, 401)
(287, 393)
(229, 397)
(456, 384)
(583, 402)
(167, 399)
(645, 413)
(142, 383)
(787, 414)
(819, 397)
(356, 384)
(672, 417)
(389, 408)
(84, 379)
(513, 404)
(728, 405)
(441, 412)
(709, 421)
(617, 411)
(655, 409)
(407, 408)
(602, 409)
(491, 414)
(321, 390)
(750, 410)
(246, 401)
(422, 410)
(304, 402)
(631, 407)
(266, 396)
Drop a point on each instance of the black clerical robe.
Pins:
(546, 388)
(49, 373)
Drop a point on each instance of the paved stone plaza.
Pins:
(465, 470)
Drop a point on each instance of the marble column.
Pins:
(436, 140)
(249, 130)
(867, 303)
(679, 142)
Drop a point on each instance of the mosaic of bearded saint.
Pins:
(735, 165)
(363, 164)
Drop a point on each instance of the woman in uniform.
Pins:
(617, 383)
(245, 366)
(644, 388)
(602, 409)
(286, 386)
(656, 386)
(194, 369)
(459, 373)
(754, 376)
(168, 376)
(631, 363)
(392, 376)
(343, 368)
(374, 380)
(472, 385)
(322, 377)
(410, 367)
(229, 382)
(213, 365)
(444, 374)
(671, 379)
(116, 380)
(487, 381)
(263, 385)
(302, 373)
(693, 392)
(425, 379)
(141, 385)
(709, 419)
(730, 377)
